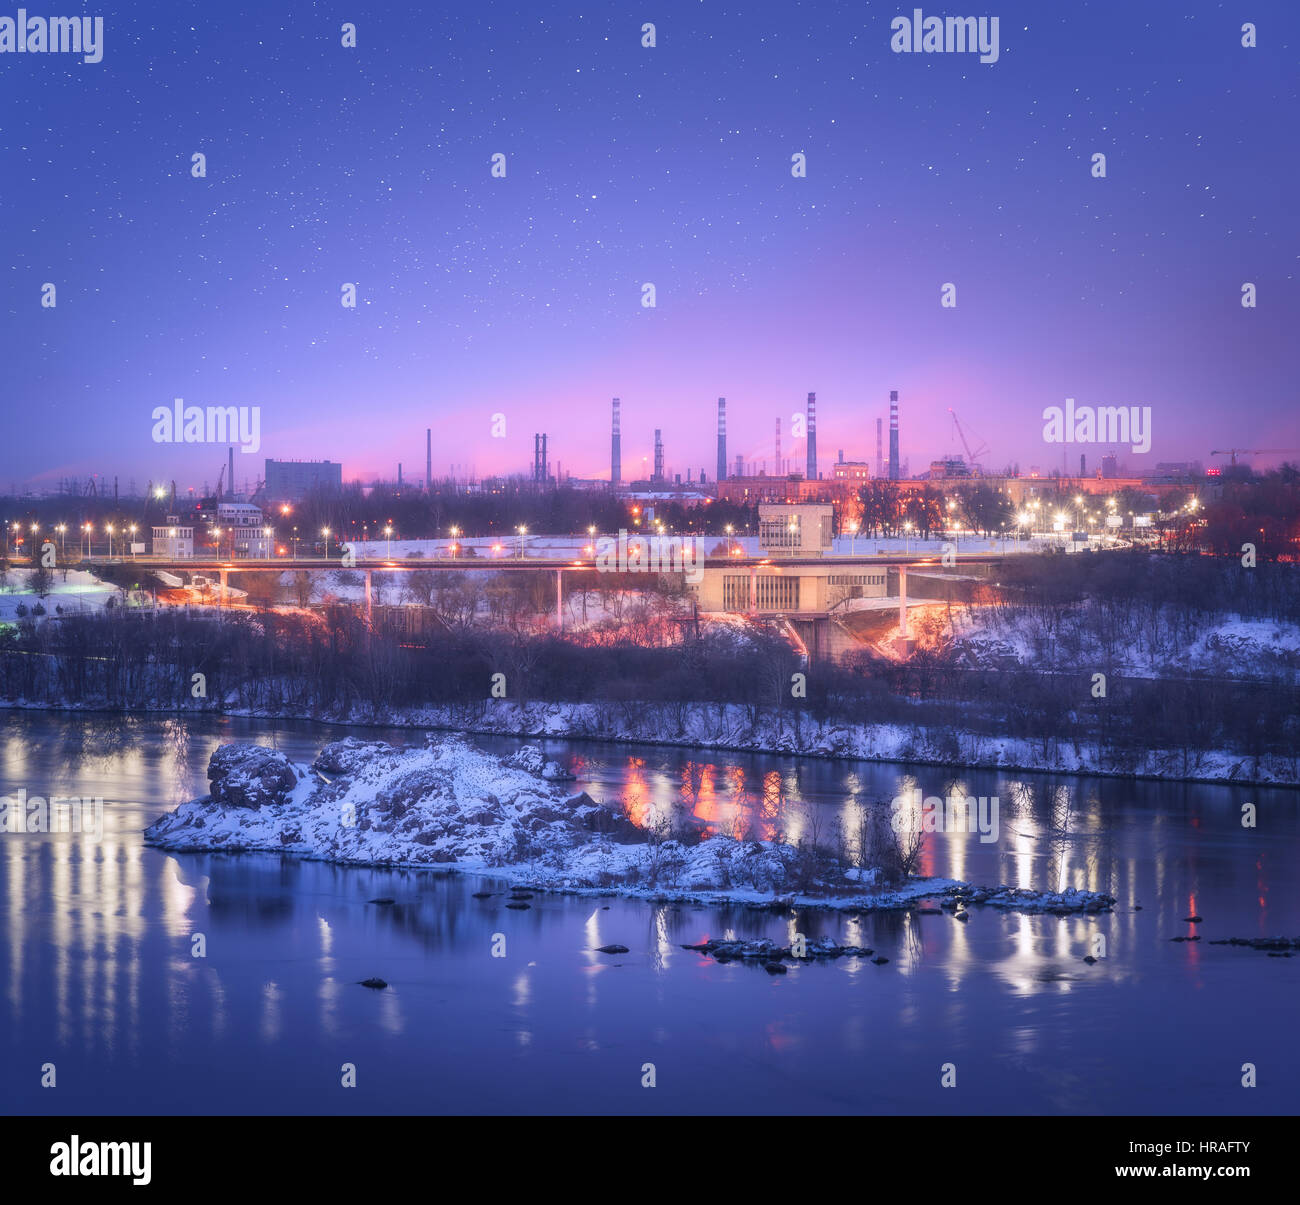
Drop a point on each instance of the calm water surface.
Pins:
(98, 977)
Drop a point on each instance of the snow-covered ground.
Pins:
(1151, 645)
(452, 806)
(72, 589)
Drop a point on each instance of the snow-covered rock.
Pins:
(456, 807)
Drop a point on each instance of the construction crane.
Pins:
(1232, 452)
(972, 458)
(220, 475)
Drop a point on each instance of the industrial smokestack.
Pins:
(812, 437)
(893, 435)
(428, 459)
(880, 451)
(722, 438)
(616, 448)
(399, 474)
(659, 456)
(778, 445)
(546, 463)
(740, 466)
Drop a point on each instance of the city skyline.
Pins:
(521, 295)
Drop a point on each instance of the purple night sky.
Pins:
(628, 165)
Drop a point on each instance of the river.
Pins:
(97, 939)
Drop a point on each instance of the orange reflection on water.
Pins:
(636, 792)
(700, 793)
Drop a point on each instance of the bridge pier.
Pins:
(370, 607)
(559, 599)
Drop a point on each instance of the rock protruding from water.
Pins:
(250, 776)
(350, 755)
(1260, 943)
(1021, 899)
(762, 952)
(532, 760)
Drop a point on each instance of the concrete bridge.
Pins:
(807, 588)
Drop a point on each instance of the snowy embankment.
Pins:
(737, 728)
(451, 806)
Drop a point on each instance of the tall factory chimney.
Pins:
(722, 439)
(537, 455)
(880, 451)
(399, 474)
(811, 474)
(428, 459)
(778, 445)
(893, 435)
(616, 448)
(740, 466)
(546, 463)
(659, 456)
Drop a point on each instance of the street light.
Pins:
(132, 530)
(455, 531)
(853, 537)
(523, 531)
(269, 533)
(907, 538)
(63, 542)
(388, 531)
(325, 531)
(109, 528)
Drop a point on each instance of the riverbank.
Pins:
(733, 728)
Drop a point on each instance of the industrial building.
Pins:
(292, 480)
(174, 540)
(786, 529)
(242, 529)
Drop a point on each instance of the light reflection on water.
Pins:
(100, 977)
